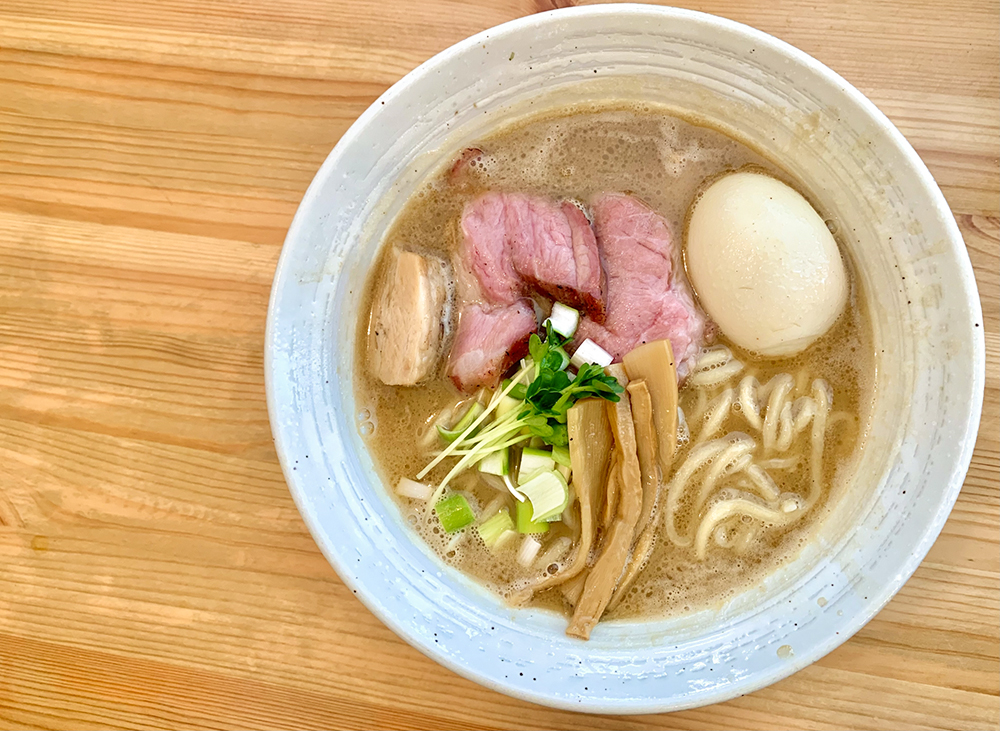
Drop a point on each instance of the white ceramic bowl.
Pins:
(914, 271)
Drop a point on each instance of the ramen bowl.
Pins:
(912, 268)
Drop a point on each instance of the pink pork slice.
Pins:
(515, 243)
(488, 342)
(645, 300)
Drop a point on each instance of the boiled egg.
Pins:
(764, 264)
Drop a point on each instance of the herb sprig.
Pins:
(551, 394)
(545, 402)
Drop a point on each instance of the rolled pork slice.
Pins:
(408, 319)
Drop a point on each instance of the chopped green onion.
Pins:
(497, 530)
(473, 413)
(496, 463)
(564, 319)
(528, 551)
(507, 404)
(565, 357)
(413, 489)
(565, 471)
(548, 494)
(591, 352)
(454, 513)
(524, 522)
(533, 461)
(561, 455)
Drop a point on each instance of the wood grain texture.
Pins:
(154, 572)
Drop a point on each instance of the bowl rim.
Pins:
(877, 600)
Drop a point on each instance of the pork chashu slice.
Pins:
(408, 319)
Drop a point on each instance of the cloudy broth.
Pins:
(664, 161)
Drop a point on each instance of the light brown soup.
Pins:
(664, 161)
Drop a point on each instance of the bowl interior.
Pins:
(913, 272)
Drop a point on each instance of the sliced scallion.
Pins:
(497, 530)
(591, 352)
(528, 551)
(508, 403)
(565, 357)
(533, 461)
(454, 513)
(548, 494)
(413, 489)
(524, 522)
(496, 463)
(561, 455)
(564, 319)
(471, 414)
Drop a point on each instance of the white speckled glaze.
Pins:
(914, 271)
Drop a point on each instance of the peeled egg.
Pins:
(764, 264)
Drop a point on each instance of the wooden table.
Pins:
(153, 569)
